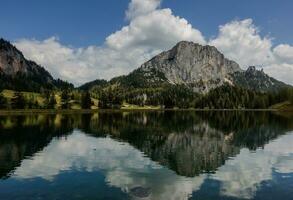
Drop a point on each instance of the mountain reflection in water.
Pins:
(154, 155)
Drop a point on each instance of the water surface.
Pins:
(147, 155)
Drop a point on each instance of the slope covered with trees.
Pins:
(18, 73)
(187, 76)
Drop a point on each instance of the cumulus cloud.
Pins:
(242, 176)
(126, 167)
(281, 71)
(123, 166)
(284, 52)
(240, 40)
(80, 65)
(150, 31)
(157, 30)
(141, 7)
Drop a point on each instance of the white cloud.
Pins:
(83, 64)
(284, 52)
(241, 42)
(157, 30)
(126, 167)
(150, 31)
(281, 71)
(242, 176)
(123, 166)
(141, 7)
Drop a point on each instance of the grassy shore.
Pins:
(83, 111)
(282, 107)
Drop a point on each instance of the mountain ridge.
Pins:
(200, 68)
(19, 73)
(197, 67)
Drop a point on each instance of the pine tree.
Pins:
(3, 101)
(65, 99)
(51, 102)
(291, 96)
(86, 101)
(18, 101)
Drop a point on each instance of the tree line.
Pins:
(166, 96)
(180, 96)
(48, 100)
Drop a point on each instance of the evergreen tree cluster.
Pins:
(110, 98)
(166, 96)
(180, 96)
(21, 100)
(230, 97)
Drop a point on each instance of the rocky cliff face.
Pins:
(201, 67)
(18, 73)
(12, 62)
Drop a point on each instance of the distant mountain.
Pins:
(18, 73)
(256, 80)
(200, 68)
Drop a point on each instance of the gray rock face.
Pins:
(201, 67)
(12, 62)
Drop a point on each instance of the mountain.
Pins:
(256, 80)
(196, 67)
(193, 65)
(200, 68)
(18, 73)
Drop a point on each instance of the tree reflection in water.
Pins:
(205, 145)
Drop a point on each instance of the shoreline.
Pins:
(88, 111)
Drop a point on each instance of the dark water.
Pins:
(147, 155)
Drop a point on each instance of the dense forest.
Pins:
(179, 96)
(167, 96)
(65, 99)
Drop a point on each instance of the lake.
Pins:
(147, 155)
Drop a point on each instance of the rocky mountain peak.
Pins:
(7, 46)
(195, 65)
(251, 70)
(184, 46)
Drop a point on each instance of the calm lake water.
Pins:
(147, 155)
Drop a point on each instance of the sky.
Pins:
(80, 41)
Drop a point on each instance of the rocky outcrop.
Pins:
(200, 67)
(18, 73)
(12, 62)
(256, 80)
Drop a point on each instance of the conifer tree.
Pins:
(51, 102)
(65, 99)
(18, 101)
(86, 101)
(3, 101)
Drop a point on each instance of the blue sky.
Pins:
(80, 41)
(82, 23)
